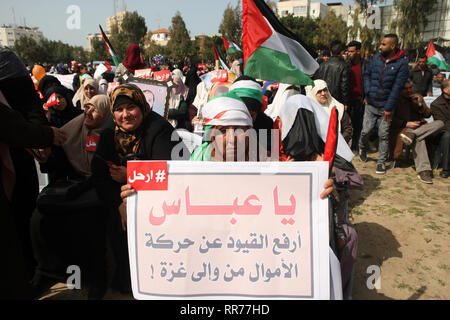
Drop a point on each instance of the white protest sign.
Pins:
(242, 230)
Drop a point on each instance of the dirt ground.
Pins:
(403, 227)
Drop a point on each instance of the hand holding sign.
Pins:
(52, 101)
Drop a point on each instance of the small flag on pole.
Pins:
(219, 58)
(230, 47)
(109, 47)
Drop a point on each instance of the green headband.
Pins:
(248, 93)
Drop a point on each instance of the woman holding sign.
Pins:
(136, 133)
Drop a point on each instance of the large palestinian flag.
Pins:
(230, 47)
(436, 58)
(109, 47)
(270, 50)
(218, 57)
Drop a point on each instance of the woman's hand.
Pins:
(126, 191)
(118, 174)
(328, 189)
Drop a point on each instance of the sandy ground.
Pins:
(403, 227)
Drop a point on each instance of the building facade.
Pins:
(10, 34)
(117, 19)
(301, 8)
(161, 37)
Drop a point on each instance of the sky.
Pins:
(200, 16)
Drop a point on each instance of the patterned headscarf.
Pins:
(129, 142)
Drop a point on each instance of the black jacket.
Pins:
(440, 109)
(156, 145)
(422, 83)
(336, 73)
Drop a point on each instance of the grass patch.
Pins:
(445, 196)
(444, 267)
(442, 283)
(395, 211)
(433, 226)
(427, 240)
(405, 286)
(418, 212)
(356, 212)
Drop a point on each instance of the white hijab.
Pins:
(331, 102)
(283, 93)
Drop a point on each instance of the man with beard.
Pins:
(384, 79)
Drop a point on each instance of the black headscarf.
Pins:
(58, 118)
(192, 81)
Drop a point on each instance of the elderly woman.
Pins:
(136, 133)
(88, 89)
(321, 94)
(70, 200)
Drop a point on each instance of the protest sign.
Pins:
(112, 86)
(163, 75)
(219, 76)
(156, 93)
(231, 231)
(143, 73)
(65, 79)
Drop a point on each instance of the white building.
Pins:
(438, 27)
(93, 36)
(301, 8)
(117, 19)
(161, 36)
(9, 35)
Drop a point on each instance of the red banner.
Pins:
(144, 176)
(163, 75)
(91, 143)
(219, 76)
(143, 73)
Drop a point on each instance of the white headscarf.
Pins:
(331, 102)
(283, 93)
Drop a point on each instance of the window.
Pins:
(300, 10)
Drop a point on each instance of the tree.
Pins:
(132, 30)
(304, 28)
(179, 45)
(364, 4)
(98, 51)
(411, 19)
(331, 28)
(28, 50)
(231, 25)
(369, 37)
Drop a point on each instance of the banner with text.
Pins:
(230, 231)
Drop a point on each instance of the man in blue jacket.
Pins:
(384, 79)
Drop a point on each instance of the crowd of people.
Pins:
(83, 137)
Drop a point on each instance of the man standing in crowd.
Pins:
(440, 109)
(335, 72)
(410, 113)
(422, 77)
(384, 79)
(356, 93)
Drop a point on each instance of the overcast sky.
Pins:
(200, 16)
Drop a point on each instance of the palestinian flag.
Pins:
(109, 47)
(270, 50)
(218, 57)
(436, 58)
(230, 47)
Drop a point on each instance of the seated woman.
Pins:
(70, 200)
(136, 133)
(321, 94)
(88, 89)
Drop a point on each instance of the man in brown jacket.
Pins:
(441, 111)
(410, 113)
